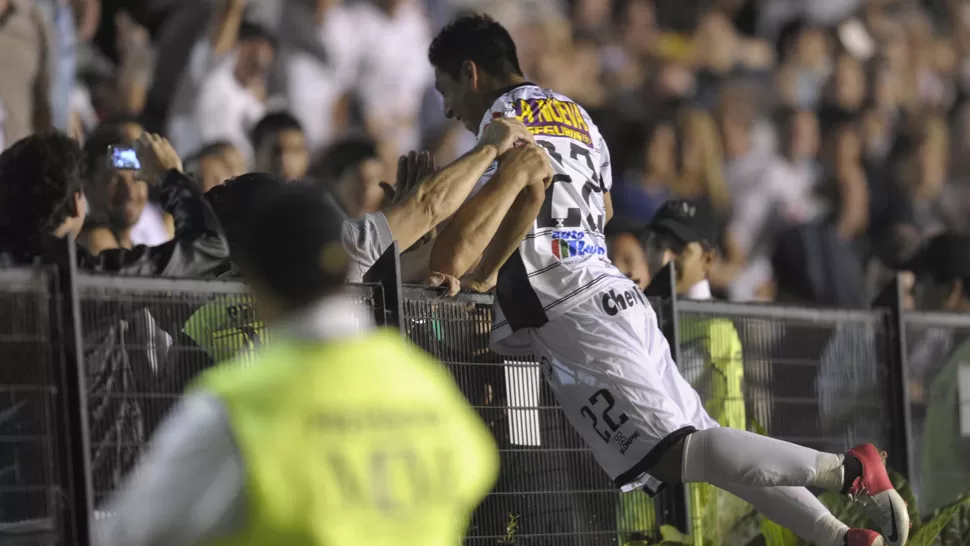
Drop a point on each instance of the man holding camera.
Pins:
(42, 200)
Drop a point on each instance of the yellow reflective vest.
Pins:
(359, 441)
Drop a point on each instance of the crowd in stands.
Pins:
(831, 130)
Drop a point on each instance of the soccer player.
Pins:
(597, 339)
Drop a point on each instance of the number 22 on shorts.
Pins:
(611, 424)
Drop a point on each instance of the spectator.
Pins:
(232, 98)
(352, 170)
(813, 264)
(42, 198)
(25, 58)
(318, 89)
(280, 146)
(394, 73)
(805, 70)
(920, 162)
(763, 198)
(118, 199)
(684, 232)
(213, 164)
(648, 184)
(208, 54)
(625, 249)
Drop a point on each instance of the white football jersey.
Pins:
(562, 261)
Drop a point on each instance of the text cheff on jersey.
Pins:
(573, 244)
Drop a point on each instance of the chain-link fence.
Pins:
(813, 377)
(938, 381)
(550, 489)
(144, 341)
(31, 495)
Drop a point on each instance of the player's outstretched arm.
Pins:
(481, 224)
(516, 225)
(439, 195)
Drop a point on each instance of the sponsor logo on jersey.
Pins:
(613, 302)
(553, 117)
(572, 244)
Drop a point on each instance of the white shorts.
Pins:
(610, 367)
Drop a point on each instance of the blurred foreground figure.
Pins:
(335, 434)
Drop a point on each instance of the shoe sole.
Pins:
(900, 515)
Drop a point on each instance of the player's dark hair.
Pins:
(235, 202)
(271, 124)
(39, 177)
(291, 246)
(477, 38)
(343, 156)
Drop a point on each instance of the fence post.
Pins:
(900, 456)
(386, 271)
(72, 400)
(673, 503)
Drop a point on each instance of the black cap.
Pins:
(945, 257)
(292, 245)
(689, 221)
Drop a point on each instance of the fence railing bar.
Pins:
(387, 272)
(22, 279)
(422, 294)
(937, 319)
(900, 455)
(673, 502)
(88, 282)
(72, 401)
(777, 312)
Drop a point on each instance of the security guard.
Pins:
(335, 434)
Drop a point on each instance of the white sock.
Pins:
(725, 457)
(795, 508)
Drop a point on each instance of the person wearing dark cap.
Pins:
(335, 434)
(685, 232)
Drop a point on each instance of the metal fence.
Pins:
(825, 379)
(30, 481)
(938, 381)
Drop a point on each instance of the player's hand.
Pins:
(411, 169)
(530, 161)
(156, 157)
(448, 282)
(504, 133)
(477, 284)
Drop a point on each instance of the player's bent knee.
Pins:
(669, 468)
